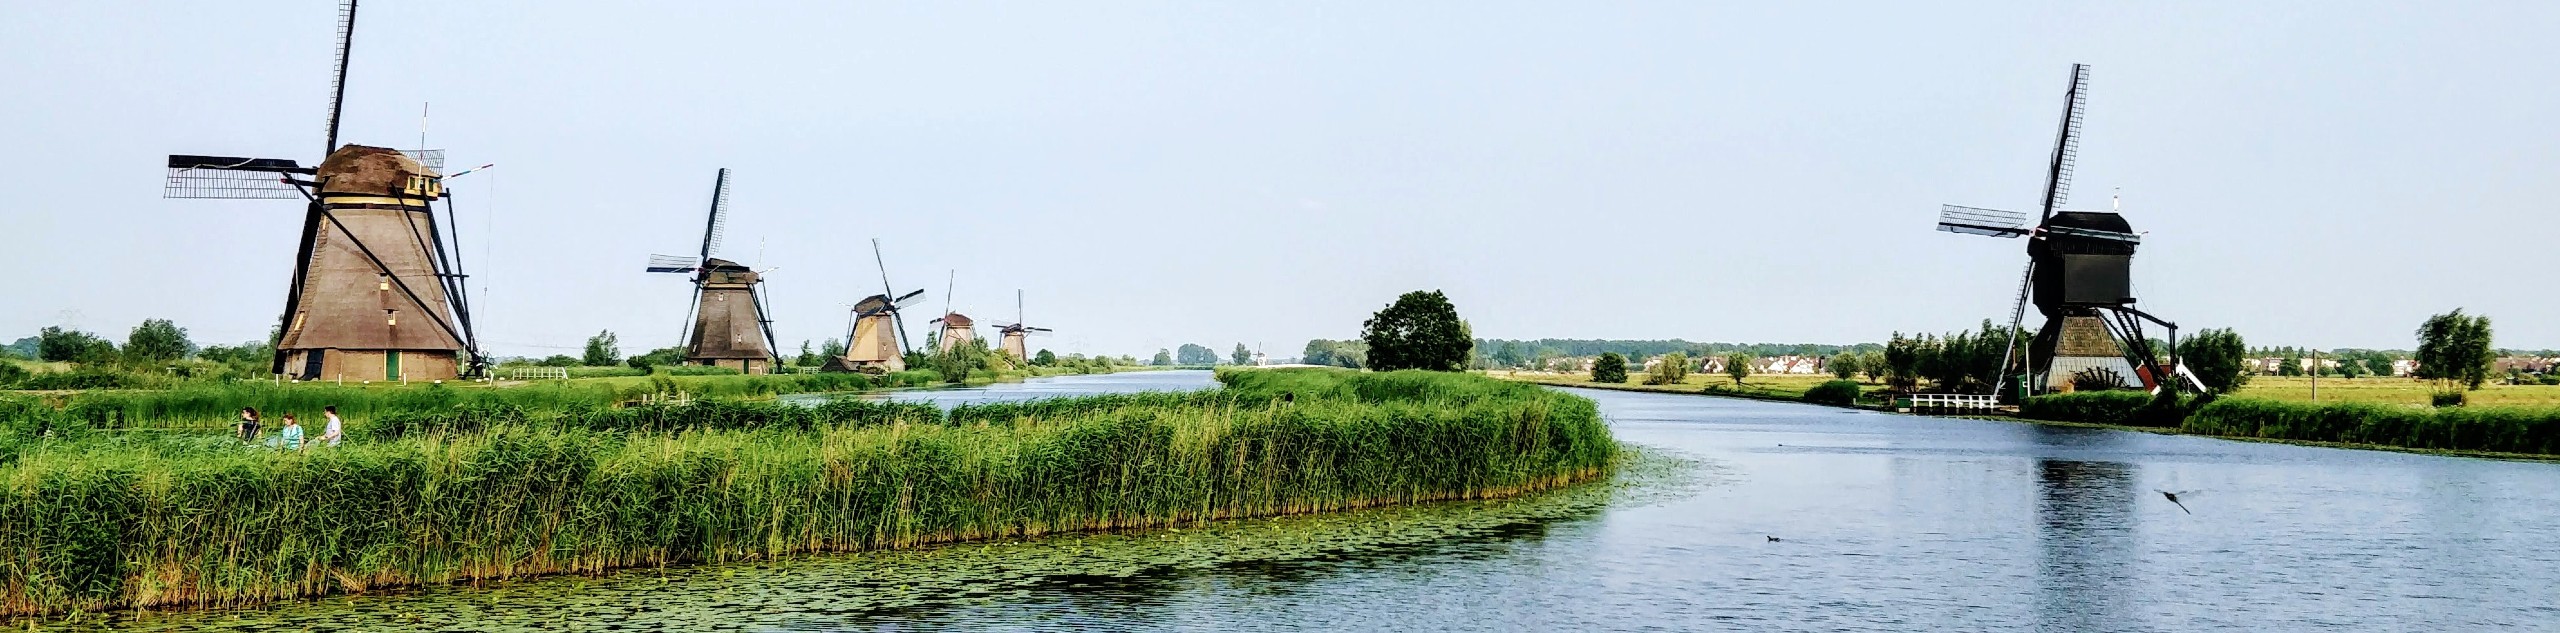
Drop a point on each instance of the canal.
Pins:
(1740, 514)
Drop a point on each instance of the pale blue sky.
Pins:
(2312, 173)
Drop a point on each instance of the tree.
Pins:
(1508, 355)
(1843, 365)
(1902, 358)
(2217, 357)
(1351, 354)
(1044, 358)
(831, 349)
(1164, 358)
(558, 360)
(157, 340)
(2454, 351)
(1611, 368)
(656, 357)
(605, 350)
(59, 345)
(1195, 354)
(1871, 363)
(1420, 330)
(1738, 366)
(1670, 369)
(808, 355)
(1242, 356)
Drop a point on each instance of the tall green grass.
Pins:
(134, 521)
(2533, 430)
(216, 404)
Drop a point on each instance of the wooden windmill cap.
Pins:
(369, 170)
(956, 319)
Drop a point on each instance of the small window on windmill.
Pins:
(382, 283)
(391, 317)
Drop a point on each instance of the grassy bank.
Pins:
(208, 405)
(2393, 391)
(117, 522)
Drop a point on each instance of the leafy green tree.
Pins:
(2454, 350)
(808, 356)
(1610, 368)
(1670, 369)
(60, 345)
(1902, 360)
(605, 350)
(1737, 365)
(2350, 368)
(1871, 363)
(558, 360)
(1843, 365)
(1195, 354)
(2217, 357)
(1351, 354)
(2290, 365)
(1164, 358)
(1044, 359)
(834, 347)
(1241, 356)
(665, 356)
(1508, 355)
(1421, 330)
(157, 340)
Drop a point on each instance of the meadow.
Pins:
(477, 491)
(2392, 391)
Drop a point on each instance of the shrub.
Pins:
(2502, 429)
(1840, 393)
(2446, 399)
(1668, 370)
(1611, 368)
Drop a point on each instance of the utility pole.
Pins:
(2315, 376)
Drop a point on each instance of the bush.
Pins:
(1611, 368)
(1669, 370)
(1839, 393)
(2119, 407)
(2502, 429)
(10, 374)
(2446, 399)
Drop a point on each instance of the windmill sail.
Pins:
(231, 177)
(1980, 221)
(2066, 144)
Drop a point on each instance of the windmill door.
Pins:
(391, 365)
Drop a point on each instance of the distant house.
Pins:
(2404, 367)
(2527, 364)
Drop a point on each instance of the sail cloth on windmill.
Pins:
(727, 324)
(378, 291)
(875, 338)
(2080, 275)
(1010, 335)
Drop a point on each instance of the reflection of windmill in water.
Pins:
(1010, 335)
(874, 339)
(2079, 271)
(378, 291)
(728, 324)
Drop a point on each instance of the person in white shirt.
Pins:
(330, 434)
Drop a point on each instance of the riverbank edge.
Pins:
(2156, 430)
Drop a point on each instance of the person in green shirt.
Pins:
(292, 434)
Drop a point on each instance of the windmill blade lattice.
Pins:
(2066, 145)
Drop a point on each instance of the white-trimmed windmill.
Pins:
(956, 329)
(378, 291)
(2079, 274)
(1010, 335)
(875, 336)
(727, 326)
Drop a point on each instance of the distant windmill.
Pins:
(2079, 271)
(1011, 334)
(378, 291)
(727, 324)
(875, 337)
(957, 329)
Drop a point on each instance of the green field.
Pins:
(2392, 391)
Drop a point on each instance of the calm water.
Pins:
(1888, 523)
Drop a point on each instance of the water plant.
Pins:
(143, 520)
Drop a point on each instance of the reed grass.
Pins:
(2530, 430)
(209, 405)
(133, 521)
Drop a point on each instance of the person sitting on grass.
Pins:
(291, 437)
(248, 426)
(331, 432)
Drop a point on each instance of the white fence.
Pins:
(538, 373)
(1946, 401)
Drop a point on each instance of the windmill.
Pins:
(874, 340)
(957, 328)
(727, 323)
(378, 291)
(2079, 273)
(1011, 334)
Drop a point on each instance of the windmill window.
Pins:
(391, 317)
